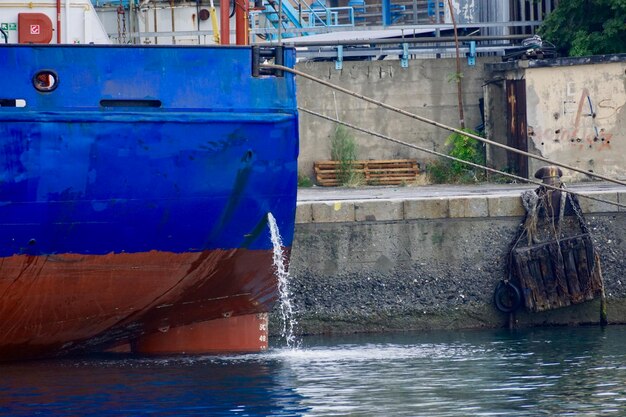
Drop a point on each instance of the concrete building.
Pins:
(568, 109)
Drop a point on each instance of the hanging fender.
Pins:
(507, 296)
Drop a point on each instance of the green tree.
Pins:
(587, 27)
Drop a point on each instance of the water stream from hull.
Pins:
(287, 310)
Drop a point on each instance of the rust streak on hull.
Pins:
(54, 305)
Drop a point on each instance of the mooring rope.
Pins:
(433, 152)
(439, 125)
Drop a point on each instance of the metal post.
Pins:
(506, 11)
(132, 27)
(458, 68)
(58, 21)
(156, 38)
(241, 22)
(67, 21)
(532, 16)
(404, 59)
(214, 25)
(386, 4)
(522, 5)
(339, 61)
(225, 22)
(437, 15)
(173, 22)
(280, 21)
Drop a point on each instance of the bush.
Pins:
(462, 147)
(304, 181)
(343, 148)
(438, 171)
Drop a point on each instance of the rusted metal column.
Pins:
(59, 21)
(459, 76)
(225, 22)
(241, 22)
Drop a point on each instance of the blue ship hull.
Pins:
(138, 167)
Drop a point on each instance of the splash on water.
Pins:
(286, 305)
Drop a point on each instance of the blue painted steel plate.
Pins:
(200, 170)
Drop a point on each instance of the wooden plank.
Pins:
(597, 276)
(386, 161)
(549, 280)
(593, 265)
(373, 162)
(542, 301)
(388, 182)
(531, 279)
(588, 245)
(558, 268)
(584, 277)
(387, 170)
(571, 272)
(527, 284)
(386, 166)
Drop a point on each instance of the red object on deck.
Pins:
(34, 28)
(224, 22)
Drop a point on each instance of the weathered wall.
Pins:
(362, 266)
(577, 115)
(423, 88)
(575, 112)
(496, 122)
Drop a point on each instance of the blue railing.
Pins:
(299, 15)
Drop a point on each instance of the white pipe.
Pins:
(85, 16)
(67, 21)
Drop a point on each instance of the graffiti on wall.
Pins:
(582, 123)
(465, 11)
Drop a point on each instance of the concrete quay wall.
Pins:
(429, 263)
(425, 88)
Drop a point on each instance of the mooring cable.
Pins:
(433, 152)
(439, 125)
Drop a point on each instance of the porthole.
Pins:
(45, 81)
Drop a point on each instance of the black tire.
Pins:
(507, 297)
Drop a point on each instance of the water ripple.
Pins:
(543, 372)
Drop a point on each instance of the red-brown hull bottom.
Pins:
(60, 304)
(246, 333)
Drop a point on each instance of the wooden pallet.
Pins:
(558, 273)
(374, 172)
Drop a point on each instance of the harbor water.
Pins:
(578, 371)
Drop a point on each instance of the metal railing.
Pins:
(287, 18)
(494, 18)
(405, 49)
(407, 31)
